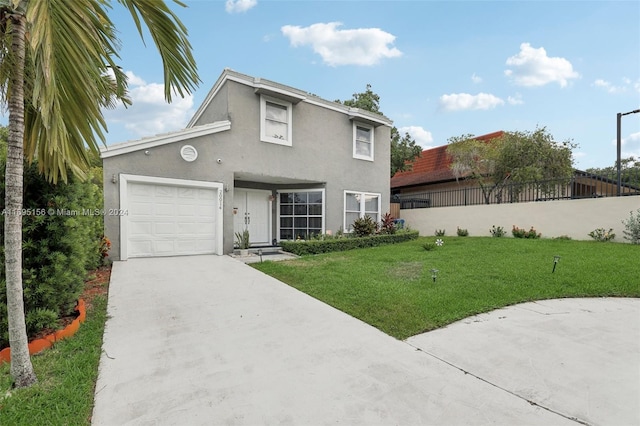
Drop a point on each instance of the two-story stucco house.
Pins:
(257, 155)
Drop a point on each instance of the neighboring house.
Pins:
(257, 155)
(432, 183)
(431, 171)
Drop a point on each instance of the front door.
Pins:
(253, 213)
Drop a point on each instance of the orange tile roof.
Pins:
(432, 166)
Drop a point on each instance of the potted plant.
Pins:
(242, 241)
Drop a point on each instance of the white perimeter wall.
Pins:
(575, 218)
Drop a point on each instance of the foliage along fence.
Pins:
(580, 185)
(574, 219)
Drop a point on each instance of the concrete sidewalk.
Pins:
(209, 340)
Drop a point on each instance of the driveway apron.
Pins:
(209, 340)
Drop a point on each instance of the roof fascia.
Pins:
(167, 138)
(293, 95)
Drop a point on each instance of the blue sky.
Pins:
(442, 69)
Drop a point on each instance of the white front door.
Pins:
(253, 213)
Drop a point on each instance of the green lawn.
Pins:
(67, 375)
(391, 288)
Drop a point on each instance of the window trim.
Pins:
(371, 129)
(362, 212)
(324, 206)
(263, 118)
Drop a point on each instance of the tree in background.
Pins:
(476, 160)
(58, 71)
(629, 171)
(403, 148)
(520, 158)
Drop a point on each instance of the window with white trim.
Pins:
(362, 141)
(275, 121)
(300, 214)
(358, 205)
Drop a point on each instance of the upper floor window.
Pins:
(275, 121)
(362, 141)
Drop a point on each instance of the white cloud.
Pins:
(626, 85)
(465, 101)
(149, 113)
(239, 6)
(476, 79)
(133, 79)
(423, 137)
(362, 46)
(515, 100)
(532, 67)
(631, 146)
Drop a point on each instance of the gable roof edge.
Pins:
(164, 139)
(292, 94)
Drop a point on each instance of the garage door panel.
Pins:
(187, 210)
(163, 209)
(165, 228)
(137, 228)
(141, 208)
(143, 248)
(169, 220)
(162, 191)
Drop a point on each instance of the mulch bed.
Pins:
(98, 285)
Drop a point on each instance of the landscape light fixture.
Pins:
(434, 274)
(260, 254)
(619, 147)
(556, 258)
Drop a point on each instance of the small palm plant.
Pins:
(242, 239)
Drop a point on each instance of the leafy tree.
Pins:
(477, 160)
(58, 71)
(403, 148)
(403, 151)
(629, 171)
(520, 158)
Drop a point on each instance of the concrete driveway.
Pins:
(209, 340)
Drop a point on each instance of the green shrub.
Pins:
(521, 233)
(497, 231)
(364, 226)
(301, 248)
(462, 232)
(440, 232)
(632, 228)
(602, 235)
(61, 241)
(429, 246)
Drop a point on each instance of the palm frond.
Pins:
(72, 50)
(170, 37)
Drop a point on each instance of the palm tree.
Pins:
(58, 71)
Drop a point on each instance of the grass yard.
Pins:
(391, 288)
(66, 373)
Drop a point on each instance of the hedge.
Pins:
(301, 248)
(61, 242)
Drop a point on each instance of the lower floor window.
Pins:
(301, 214)
(358, 205)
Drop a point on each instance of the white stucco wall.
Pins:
(574, 218)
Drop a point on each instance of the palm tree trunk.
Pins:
(21, 368)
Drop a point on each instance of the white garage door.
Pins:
(170, 220)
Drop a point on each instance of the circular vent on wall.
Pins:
(188, 153)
